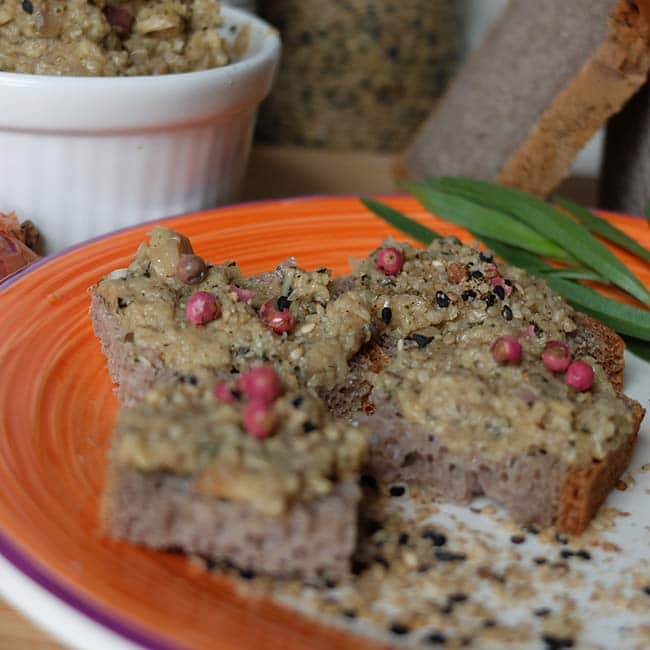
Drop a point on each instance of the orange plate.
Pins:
(57, 408)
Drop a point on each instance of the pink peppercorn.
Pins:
(242, 294)
(266, 310)
(579, 376)
(282, 321)
(223, 393)
(507, 350)
(259, 419)
(261, 384)
(390, 261)
(556, 356)
(202, 307)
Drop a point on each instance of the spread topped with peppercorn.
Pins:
(197, 316)
(474, 403)
(481, 358)
(245, 441)
(448, 289)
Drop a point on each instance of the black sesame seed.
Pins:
(556, 643)
(447, 609)
(566, 553)
(541, 612)
(399, 629)
(331, 584)
(424, 568)
(646, 590)
(540, 560)
(500, 292)
(468, 295)
(28, 7)
(308, 427)
(386, 315)
(450, 556)
(490, 299)
(562, 539)
(246, 574)
(397, 490)
(188, 379)
(234, 371)
(121, 303)
(368, 480)
(322, 269)
(349, 613)
(477, 275)
(508, 282)
(358, 567)
(436, 638)
(422, 340)
(489, 622)
(437, 539)
(484, 257)
(372, 526)
(457, 598)
(583, 555)
(383, 561)
(517, 539)
(506, 312)
(404, 540)
(283, 303)
(442, 299)
(235, 393)
(297, 401)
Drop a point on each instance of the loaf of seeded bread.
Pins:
(625, 180)
(537, 484)
(545, 80)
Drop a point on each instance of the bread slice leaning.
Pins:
(537, 488)
(547, 77)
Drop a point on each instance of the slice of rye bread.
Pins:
(313, 540)
(547, 77)
(625, 179)
(537, 488)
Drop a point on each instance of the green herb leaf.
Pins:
(576, 274)
(601, 227)
(486, 222)
(551, 223)
(407, 225)
(640, 348)
(647, 210)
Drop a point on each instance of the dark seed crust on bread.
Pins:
(160, 510)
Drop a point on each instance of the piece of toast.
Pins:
(547, 77)
(188, 471)
(538, 486)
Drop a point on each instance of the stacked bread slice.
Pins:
(401, 353)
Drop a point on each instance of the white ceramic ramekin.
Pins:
(81, 156)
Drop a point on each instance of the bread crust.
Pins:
(586, 488)
(605, 83)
